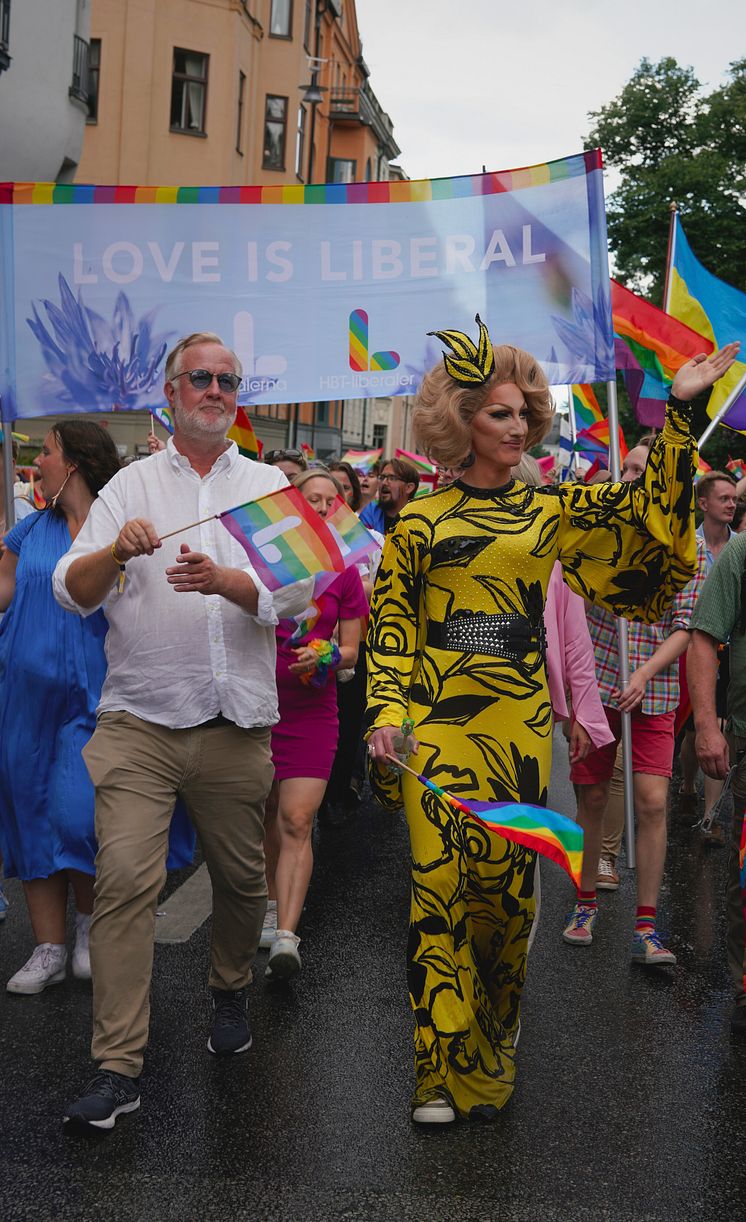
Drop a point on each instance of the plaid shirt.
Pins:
(662, 691)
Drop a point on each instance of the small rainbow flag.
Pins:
(308, 451)
(595, 440)
(287, 541)
(585, 405)
(362, 460)
(244, 436)
(428, 471)
(164, 416)
(535, 827)
(702, 467)
(736, 466)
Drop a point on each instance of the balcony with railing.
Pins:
(351, 104)
(5, 56)
(79, 87)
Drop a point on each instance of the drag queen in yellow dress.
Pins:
(456, 643)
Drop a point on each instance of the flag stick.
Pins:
(716, 420)
(670, 256)
(623, 646)
(181, 529)
(152, 423)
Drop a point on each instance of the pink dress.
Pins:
(304, 740)
(570, 660)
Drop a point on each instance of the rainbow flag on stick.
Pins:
(362, 460)
(244, 436)
(594, 441)
(585, 406)
(535, 827)
(287, 541)
(737, 467)
(650, 347)
(164, 416)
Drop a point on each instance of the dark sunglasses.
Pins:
(202, 378)
(280, 455)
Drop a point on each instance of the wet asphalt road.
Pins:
(629, 1104)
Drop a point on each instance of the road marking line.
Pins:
(185, 910)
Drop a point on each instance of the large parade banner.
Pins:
(325, 292)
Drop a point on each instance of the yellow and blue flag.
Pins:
(717, 311)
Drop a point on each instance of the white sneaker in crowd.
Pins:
(269, 928)
(81, 955)
(46, 966)
(435, 1111)
(284, 960)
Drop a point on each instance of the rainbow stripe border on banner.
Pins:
(421, 190)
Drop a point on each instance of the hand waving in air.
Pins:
(702, 371)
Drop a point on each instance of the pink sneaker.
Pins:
(578, 931)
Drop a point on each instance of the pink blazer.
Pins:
(570, 662)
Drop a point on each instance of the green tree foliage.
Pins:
(666, 140)
(670, 142)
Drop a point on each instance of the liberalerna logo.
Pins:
(361, 359)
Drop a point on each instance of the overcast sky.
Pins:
(469, 83)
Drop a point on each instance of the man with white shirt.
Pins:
(186, 710)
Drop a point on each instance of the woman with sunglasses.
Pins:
(290, 462)
(305, 738)
(457, 645)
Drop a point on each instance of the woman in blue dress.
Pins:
(52, 667)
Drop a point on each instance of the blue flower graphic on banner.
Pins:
(95, 365)
(582, 336)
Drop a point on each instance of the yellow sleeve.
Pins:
(394, 641)
(632, 547)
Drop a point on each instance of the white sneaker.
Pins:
(269, 928)
(435, 1111)
(46, 966)
(81, 955)
(284, 960)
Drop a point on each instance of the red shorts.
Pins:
(652, 748)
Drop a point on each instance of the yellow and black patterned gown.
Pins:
(484, 722)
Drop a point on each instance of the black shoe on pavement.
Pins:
(738, 1021)
(230, 1026)
(106, 1096)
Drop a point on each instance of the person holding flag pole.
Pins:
(456, 651)
(186, 711)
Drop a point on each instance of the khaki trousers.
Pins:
(736, 926)
(223, 774)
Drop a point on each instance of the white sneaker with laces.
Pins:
(46, 966)
(435, 1111)
(81, 955)
(269, 928)
(284, 960)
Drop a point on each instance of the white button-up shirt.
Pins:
(180, 659)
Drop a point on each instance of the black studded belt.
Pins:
(509, 636)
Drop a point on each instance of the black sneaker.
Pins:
(230, 1026)
(106, 1096)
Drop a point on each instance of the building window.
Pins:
(189, 92)
(368, 170)
(239, 113)
(341, 170)
(4, 34)
(94, 72)
(308, 26)
(281, 19)
(79, 87)
(300, 142)
(379, 437)
(275, 123)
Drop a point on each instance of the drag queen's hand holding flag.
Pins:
(456, 644)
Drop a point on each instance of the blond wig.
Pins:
(443, 410)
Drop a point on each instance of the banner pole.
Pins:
(623, 646)
(670, 255)
(716, 420)
(10, 509)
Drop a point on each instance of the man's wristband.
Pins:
(120, 565)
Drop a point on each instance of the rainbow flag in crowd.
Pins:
(244, 436)
(737, 467)
(428, 471)
(535, 827)
(594, 441)
(362, 460)
(308, 452)
(287, 541)
(585, 405)
(650, 347)
(718, 311)
(164, 416)
(702, 468)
